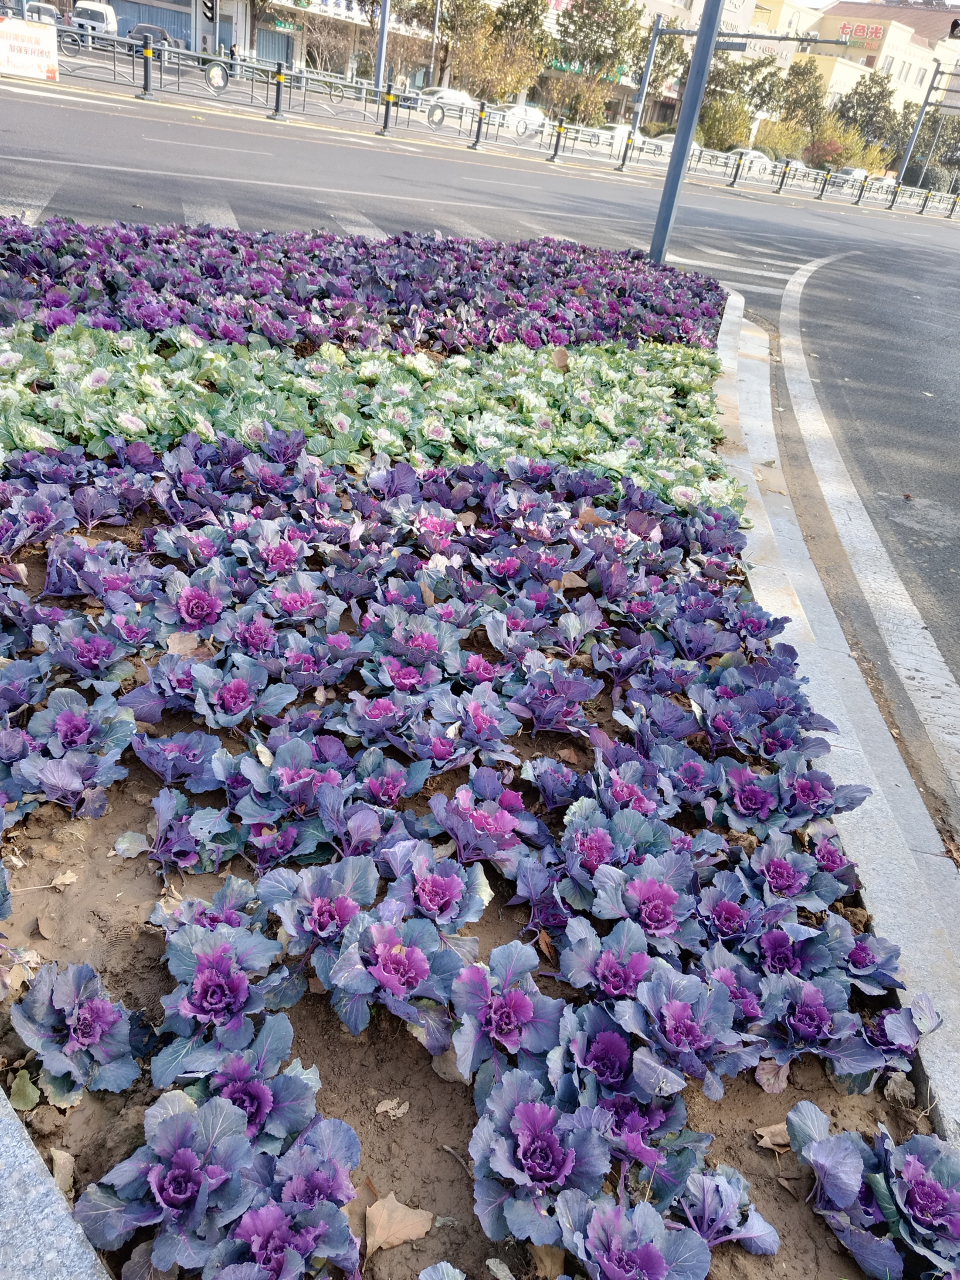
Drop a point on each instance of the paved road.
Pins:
(880, 322)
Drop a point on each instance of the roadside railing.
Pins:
(284, 92)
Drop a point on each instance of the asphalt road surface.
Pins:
(880, 322)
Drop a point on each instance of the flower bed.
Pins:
(405, 292)
(488, 750)
(649, 413)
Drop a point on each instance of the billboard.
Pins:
(28, 49)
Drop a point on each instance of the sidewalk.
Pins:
(910, 887)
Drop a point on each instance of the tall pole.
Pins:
(931, 151)
(647, 72)
(382, 43)
(686, 127)
(433, 43)
(916, 128)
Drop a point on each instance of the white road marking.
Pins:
(353, 222)
(67, 97)
(198, 213)
(753, 288)
(494, 183)
(712, 266)
(927, 679)
(206, 146)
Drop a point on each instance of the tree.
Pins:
(758, 84)
(804, 95)
(601, 37)
(495, 53)
(671, 61)
(868, 107)
(725, 123)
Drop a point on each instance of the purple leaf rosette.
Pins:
(525, 1153)
(81, 1036)
(186, 1181)
(614, 1243)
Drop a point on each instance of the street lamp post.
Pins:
(433, 43)
(916, 128)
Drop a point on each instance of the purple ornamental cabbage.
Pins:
(653, 896)
(277, 1242)
(716, 1204)
(525, 1153)
(23, 683)
(80, 1035)
(690, 1025)
(782, 875)
(228, 906)
(169, 687)
(439, 890)
(77, 780)
(552, 698)
(614, 1243)
(186, 1180)
(612, 967)
(316, 904)
(400, 964)
(69, 723)
(276, 1105)
(238, 692)
(595, 1060)
(479, 720)
(210, 1011)
(503, 1014)
(812, 1017)
(559, 785)
(93, 658)
(184, 759)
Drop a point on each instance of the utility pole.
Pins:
(433, 43)
(916, 128)
(382, 44)
(686, 126)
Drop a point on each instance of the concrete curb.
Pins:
(39, 1239)
(910, 887)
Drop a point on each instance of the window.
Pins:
(887, 66)
(921, 76)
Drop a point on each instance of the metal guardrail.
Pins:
(254, 83)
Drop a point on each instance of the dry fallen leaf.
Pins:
(47, 927)
(548, 1260)
(264, 755)
(316, 987)
(773, 1137)
(570, 580)
(561, 359)
(568, 754)
(182, 643)
(429, 599)
(589, 516)
(550, 954)
(356, 1210)
(63, 879)
(393, 1107)
(390, 1223)
(63, 1163)
(771, 1078)
(467, 518)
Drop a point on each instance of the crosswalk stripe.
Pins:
(757, 256)
(198, 213)
(353, 222)
(752, 288)
(26, 198)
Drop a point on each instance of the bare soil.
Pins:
(100, 919)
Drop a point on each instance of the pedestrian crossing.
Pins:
(26, 196)
(213, 213)
(352, 221)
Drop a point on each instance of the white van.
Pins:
(99, 18)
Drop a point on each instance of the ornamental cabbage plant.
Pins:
(80, 1035)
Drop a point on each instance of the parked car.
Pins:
(98, 18)
(520, 117)
(43, 13)
(160, 37)
(449, 99)
(853, 175)
(753, 161)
